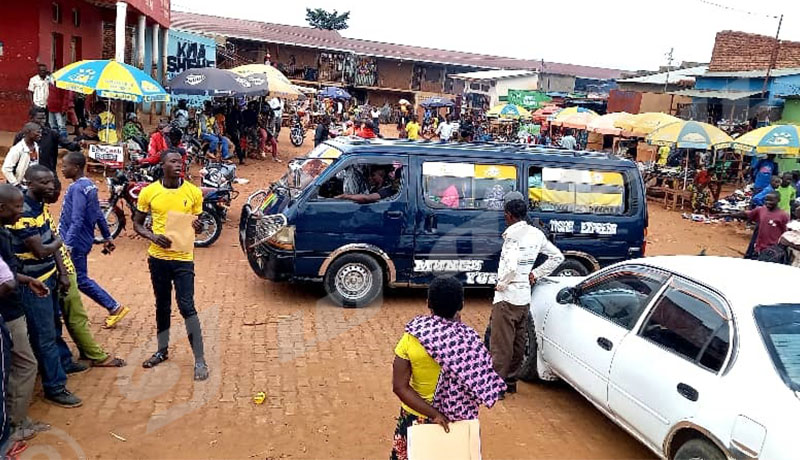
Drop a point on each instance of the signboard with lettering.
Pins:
(190, 51)
(112, 156)
(527, 99)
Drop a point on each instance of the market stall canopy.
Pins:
(578, 120)
(110, 79)
(279, 85)
(436, 102)
(210, 81)
(333, 92)
(642, 124)
(403, 102)
(770, 140)
(604, 124)
(511, 111)
(690, 135)
(545, 112)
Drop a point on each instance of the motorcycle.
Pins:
(218, 193)
(297, 134)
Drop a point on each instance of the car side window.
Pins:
(621, 295)
(692, 322)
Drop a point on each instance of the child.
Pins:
(787, 191)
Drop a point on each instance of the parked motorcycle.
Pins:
(297, 134)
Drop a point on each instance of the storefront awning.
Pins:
(713, 94)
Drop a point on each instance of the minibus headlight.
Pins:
(283, 239)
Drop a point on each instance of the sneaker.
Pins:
(200, 371)
(114, 318)
(64, 399)
(76, 368)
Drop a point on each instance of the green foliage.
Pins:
(327, 20)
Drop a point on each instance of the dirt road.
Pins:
(325, 371)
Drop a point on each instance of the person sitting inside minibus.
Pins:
(379, 187)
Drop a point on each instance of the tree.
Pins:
(321, 19)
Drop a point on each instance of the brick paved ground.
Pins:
(326, 371)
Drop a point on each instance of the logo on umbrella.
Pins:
(780, 139)
(83, 76)
(257, 80)
(195, 79)
(148, 87)
(693, 137)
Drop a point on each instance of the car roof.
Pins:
(511, 151)
(744, 283)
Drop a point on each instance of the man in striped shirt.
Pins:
(37, 249)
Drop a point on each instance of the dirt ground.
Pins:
(326, 371)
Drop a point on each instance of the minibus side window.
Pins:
(467, 185)
(576, 190)
(364, 183)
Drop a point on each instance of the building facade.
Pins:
(58, 32)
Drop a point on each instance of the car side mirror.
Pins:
(566, 296)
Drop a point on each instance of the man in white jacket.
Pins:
(522, 244)
(23, 154)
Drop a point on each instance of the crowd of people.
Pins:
(44, 259)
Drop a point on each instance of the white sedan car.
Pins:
(697, 357)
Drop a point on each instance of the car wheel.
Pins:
(354, 280)
(571, 267)
(528, 371)
(699, 449)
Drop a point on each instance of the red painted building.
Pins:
(56, 33)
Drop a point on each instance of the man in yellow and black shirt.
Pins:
(37, 248)
(168, 267)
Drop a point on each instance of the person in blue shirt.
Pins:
(80, 214)
(763, 169)
(758, 198)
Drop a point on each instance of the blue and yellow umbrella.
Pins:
(110, 79)
(690, 135)
(775, 139)
(512, 111)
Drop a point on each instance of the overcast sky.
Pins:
(624, 34)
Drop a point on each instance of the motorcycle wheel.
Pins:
(114, 219)
(212, 229)
(297, 138)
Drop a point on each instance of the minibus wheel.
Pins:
(571, 267)
(354, 280)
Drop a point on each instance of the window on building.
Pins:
(57, 54)
(75, 49)
(576, 190)
(467, 185)
(56, 9)
(76, 17)
(691, 322)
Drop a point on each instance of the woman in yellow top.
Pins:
(413, 128)
(442, 372)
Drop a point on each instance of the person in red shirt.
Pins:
(158, 143)
(58, 101)
(771, 222)
(365, 130)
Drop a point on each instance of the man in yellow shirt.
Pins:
(413, 128)
(168, 267)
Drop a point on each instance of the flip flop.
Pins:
(110, 362)
(155, 360)
(16, 449)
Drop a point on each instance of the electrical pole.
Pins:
(773, 59)
(669, 65)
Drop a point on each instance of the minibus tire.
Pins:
(573, 267)
(354, 269)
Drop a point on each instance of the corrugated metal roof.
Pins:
(492, 74)
(713, 94)
(333, 41)
(753, 73)
(675, 76)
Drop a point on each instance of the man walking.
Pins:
(80, 214)
(172, 195)
(522, 244)
(37, 249)
(22, 372)
(50, 141)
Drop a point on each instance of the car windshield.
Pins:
(303, 171)
(780, 328)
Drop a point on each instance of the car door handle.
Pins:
(688, 392)
(604, 343)
(430, 223)
(394, 214)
